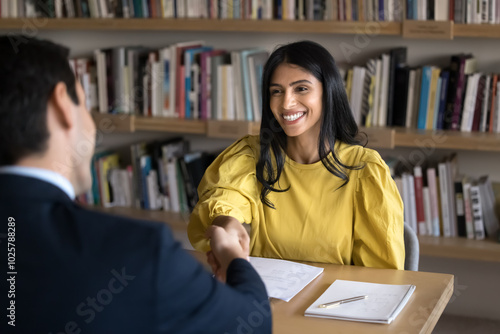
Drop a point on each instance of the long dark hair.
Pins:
(337, 122)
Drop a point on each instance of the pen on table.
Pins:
(341, 301)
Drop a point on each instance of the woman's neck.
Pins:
(302, 151)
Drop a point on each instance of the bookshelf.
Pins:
(378, 137)
(261, 26)
(457, 248)
(83, 35)
(227, 25)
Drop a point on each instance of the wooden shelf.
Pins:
(457, 248)
(109, 123)
(259, 26)
(455, 140)
(460, 248)
(170, 125)
(477, 30)
(263, 26)
(378, 137)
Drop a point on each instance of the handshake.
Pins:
(229, 240)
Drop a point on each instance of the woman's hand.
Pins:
(234, 227)
(225, 248)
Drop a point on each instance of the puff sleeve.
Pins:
(378, 218)
(229, 188)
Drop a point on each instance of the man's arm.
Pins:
(190, 300)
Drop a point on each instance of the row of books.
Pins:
(438, 201)
(386, 92)
(341, 10)
(186, 80)
(459, 11)
(163, 175)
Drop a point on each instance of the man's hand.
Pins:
(234, 227)
(225, 248)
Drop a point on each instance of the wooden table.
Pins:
(420, 315)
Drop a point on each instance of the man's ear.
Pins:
(62, 105)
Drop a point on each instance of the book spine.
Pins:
(434, 200)
(424, 97)
(460, 209)
(443, 182)
(419, 201)
(457, 106)
(469, 221)
(477, 212)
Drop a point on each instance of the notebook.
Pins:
(382, 304)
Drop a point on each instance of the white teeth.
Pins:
(292, 118)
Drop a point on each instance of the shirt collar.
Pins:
(42, 174)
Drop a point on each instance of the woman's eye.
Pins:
(275, 91)
(301, 89)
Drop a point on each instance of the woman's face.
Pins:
(296, 101)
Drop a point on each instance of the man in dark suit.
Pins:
(66, 269)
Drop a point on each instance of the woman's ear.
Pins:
(62, 105)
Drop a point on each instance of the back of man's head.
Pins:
(29, 70)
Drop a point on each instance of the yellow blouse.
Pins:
(315, 220)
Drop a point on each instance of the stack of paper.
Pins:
(284, 279)
(382, 304)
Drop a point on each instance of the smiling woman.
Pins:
(306, 186)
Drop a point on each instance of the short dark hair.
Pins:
(30, 69)
(337, 121)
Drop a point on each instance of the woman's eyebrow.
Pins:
(292, 83)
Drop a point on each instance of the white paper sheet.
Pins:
(284, 279)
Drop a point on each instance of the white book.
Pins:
(382, 113)
(469, 103)
(238, 86)
(441, 10)
(389, 14)
(445, 206)
(469, 221)
(469, 12)
(284, 279)
(376, 95)
(230, 94)
(168, 9)
(406, 199)
(154, 196)
(434, 200)
(477, 212)
(413, 203)
(382, 304)
(254, 91)
(485, 11)
(58, 8)
(422, 10)
(411, 97)
(496, 111)
(357, 92)
(427, 210)
(100, 59)
(220, 93)
(173, 189)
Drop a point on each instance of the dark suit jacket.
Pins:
(80, 271)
